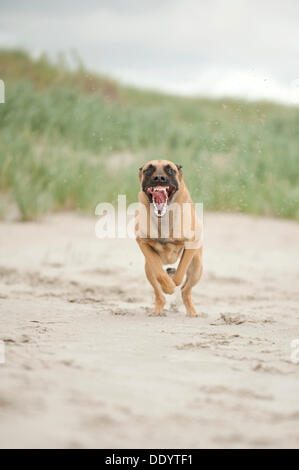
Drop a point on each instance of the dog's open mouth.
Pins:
(160, 196)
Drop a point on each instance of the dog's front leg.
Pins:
(159, 297)
(184, 263)
(155, 265)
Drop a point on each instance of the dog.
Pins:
(164, 235)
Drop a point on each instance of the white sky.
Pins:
(246, 48)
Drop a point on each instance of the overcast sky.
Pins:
(247, 48)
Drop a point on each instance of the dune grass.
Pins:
(71, 139)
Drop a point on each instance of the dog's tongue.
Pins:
(159, 196)
(159, 200)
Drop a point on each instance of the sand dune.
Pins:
(87, 367)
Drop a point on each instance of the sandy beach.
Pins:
(85, 366)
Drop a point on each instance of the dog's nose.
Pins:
(160, 179)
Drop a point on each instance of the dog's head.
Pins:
(160, 180)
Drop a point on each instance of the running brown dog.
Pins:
(166, 232)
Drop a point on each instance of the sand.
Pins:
(86, 366)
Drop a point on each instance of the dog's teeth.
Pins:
(160, 188)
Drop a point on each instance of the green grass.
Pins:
(60, 130)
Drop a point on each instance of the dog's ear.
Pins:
(179, 167)
(140, 172)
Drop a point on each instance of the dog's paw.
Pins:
(167, 284)
(157, 313)
(177, 280)
(192, 313)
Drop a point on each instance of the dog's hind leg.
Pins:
(159, 297)
(193, 275)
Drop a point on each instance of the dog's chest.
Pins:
(168, 252)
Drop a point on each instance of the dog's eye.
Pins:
(149, 170)
(169, 170)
